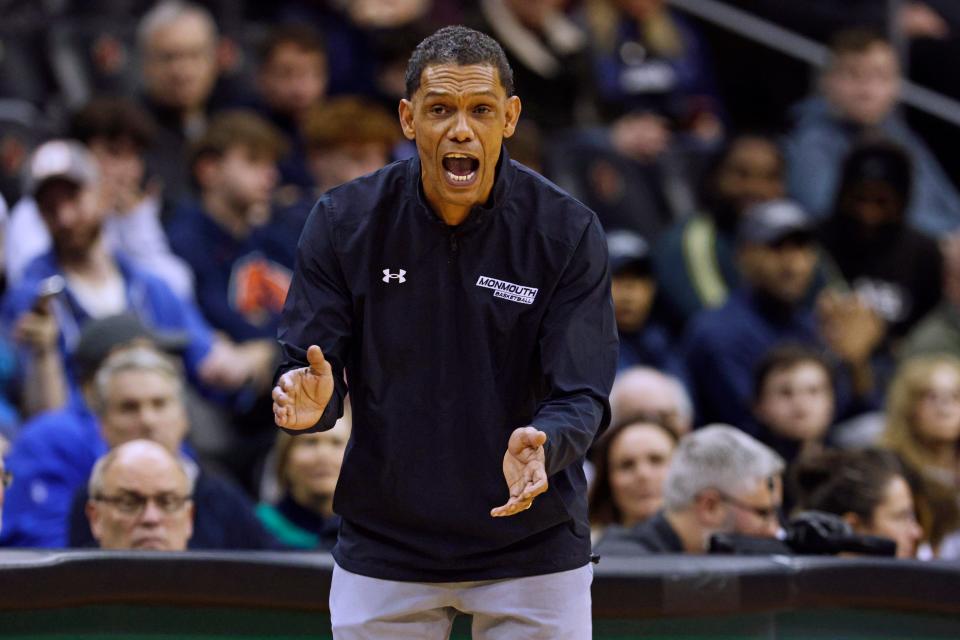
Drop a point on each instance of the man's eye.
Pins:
(482, 109)
(438, 109)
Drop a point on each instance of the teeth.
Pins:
(457, 155)
(467, 178)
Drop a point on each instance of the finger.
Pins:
(533, 437)
(512, 507)
(280, 398)
(535, 488)
(317, 362)
(286, 383)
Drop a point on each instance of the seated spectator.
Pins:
(177, 47)
(140, 498)
(55, 451)
(896, 270)
(118, 134)
(549, 55)
(720, 480)
(139, 381)
(867, 488)
(308, 466)
(653, 76)
(861, 91)
(346, 138)
(923, 428)
(777, 257)
(793, 401)
(292, 80)
(136, 393)
(939, 330)
(6, 479)
(99, 283)
(633, 287)
(695, 260)
(241, 256)
(631, 461)
(642, 390)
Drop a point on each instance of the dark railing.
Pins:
(279, 595)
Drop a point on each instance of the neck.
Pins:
(94, 263)
(684, 523)
(318, 503)
(233, 220)
(942, 454)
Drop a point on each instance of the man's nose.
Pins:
(152, 514)
(461, 131)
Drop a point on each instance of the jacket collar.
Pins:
(505, 174)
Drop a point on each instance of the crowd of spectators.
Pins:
(786, 284)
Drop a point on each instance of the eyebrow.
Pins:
(435, 93)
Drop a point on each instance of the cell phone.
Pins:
(47, 289)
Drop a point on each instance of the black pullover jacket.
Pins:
(451, 338)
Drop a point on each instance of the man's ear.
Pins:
(709, 507)
(512, 116)
(93, 518)
(406, 118)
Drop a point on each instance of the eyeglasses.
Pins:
(132, 503)
(7, 477)
(773, 512)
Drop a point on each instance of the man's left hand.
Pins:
(525, 470)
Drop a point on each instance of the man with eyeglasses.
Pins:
(140, 498)
(720, 480)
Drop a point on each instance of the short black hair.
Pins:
(462, 46)
(787, 356)
(113, 118)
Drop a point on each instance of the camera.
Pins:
(807, 533)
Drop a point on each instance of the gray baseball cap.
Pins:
(628, 251)
(773, 221)
(66, 159)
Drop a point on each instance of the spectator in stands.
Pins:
(54, 452)
(549, 55)
(100, 282)
(642, 390)
(720, 480)
(6, 479)
(177, 45)
(631, 461)
(241, 256)
(793, 401)
(118, 134)
(138, 393)
(777, 257)
(923, 428)
(653, 76)
(861, 89)
(939, 331)
(896, 270)
(308, 466)
(643, 341)
(140, 498)
(867, 488)
(695, 260)
(346, 138)
(292, 80)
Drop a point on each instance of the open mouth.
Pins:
(460, 168)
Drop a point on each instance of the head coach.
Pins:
(466, 300)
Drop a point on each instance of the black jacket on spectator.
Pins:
(898, 270)
(223, 519)
(653, 535)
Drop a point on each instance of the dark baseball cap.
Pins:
(628, 252)
(100, 337)
(774, 221)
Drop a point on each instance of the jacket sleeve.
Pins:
(318, 310)
(578, 352)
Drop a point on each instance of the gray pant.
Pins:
(554, 606)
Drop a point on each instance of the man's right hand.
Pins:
(302, 394)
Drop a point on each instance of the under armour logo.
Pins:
(387, 276)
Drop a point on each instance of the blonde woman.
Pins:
(923, 427)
